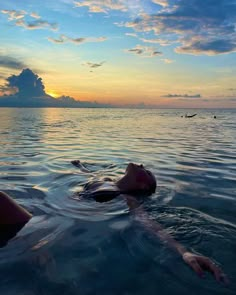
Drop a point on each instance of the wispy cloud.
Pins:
(163, 3)
(131, 34)
(59, 40)
(93, 65)
(162, 42)
(4, 88)
(167, 60)
(14, 14)
(11, 62)
(98, 6)
(144, 51)
(182, 96)
(19, 17)
(35, 15)
(37, 24)
(65, 39)
(201, 27)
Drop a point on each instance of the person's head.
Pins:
(138, 179)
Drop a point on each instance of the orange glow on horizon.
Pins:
(52, 93)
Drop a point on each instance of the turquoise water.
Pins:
(83, 247)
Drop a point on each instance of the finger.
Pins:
(217, 272)
(197, 268)
(225, 279)
(210, 266)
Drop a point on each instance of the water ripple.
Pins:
(73, 243)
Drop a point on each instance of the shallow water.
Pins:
(83, 247)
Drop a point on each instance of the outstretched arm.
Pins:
(197, 262)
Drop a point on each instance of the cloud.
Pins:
(201, 27)
(161, 2)
(182, 96)
(102, 6)
(14, 14)
(4, 88)
(37, 24)
(78, 40)
(162, 42)
(144, 51)
(65, 39)
(210, 47)
(59, 40)
(28, 84)
(11, 62)
(28, 89)
(131, 34)
(167, 60)
(19, 14)
(94, 65)
(19, 17)
(35, 15)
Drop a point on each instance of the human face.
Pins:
(140, 177)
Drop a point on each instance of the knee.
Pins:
(11, 212)
(4, 195)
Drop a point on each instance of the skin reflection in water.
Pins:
(137, 179)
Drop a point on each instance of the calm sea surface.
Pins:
(82, 247)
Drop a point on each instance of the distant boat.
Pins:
(190, 116)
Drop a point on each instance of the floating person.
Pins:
(214, 117)
(190, 116)
(136, 181)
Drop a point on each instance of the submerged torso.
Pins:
(101, 191)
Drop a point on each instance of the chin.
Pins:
(129, 167)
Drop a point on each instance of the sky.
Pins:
(162, 53)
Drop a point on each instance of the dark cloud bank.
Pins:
(182, 96)
(30, 92)
(199, 27)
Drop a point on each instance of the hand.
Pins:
(76, 163)
(200, 263)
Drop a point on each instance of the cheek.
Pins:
(141, 176)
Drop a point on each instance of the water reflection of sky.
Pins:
(70, 243)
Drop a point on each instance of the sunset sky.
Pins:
(167, 53)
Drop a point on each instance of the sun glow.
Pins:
(52, 93)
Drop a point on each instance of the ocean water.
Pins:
(74, 246)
